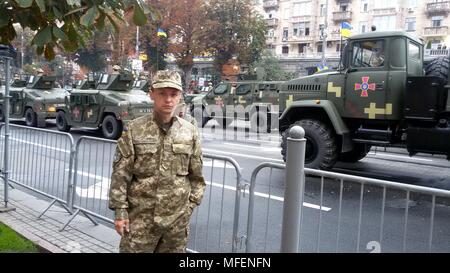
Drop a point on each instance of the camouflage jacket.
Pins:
(157, 170)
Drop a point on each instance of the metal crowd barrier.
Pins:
(338, 223)
(40, 161)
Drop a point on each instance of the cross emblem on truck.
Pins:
(365, 86)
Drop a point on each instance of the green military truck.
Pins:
(108, 104)
(142, 85)
(33, 98)
(380, 96)
(254, 101)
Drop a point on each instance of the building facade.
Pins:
(296, 27)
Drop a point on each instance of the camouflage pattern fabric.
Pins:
(156, 182)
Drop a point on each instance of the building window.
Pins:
(302, 8)
(302, 48)
(363, 27)
(412, 4)
(410, 24)
(301, 29)
(364, 5)
(343, 7)
(285, 50)
(319, 48)
(338, 47)
(322, 10)
(383, 4)
(385, 23)
(437, 21)
(285, 33)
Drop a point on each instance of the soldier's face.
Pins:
(165, 100)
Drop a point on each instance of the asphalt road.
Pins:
(42, 161)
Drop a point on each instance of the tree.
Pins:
(186, 33)
(271, 67)
(234, 31)
(66, 23)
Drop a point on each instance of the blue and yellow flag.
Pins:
(161, 33)
(346, 29)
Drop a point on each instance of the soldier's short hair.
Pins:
(167, 79)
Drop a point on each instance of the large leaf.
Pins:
(101, 22)
(24, 3)
(41, 5)
(72, 33)
(58, 33)
(88, 19)
(139, 17)
(70, 46)
(57, 13)
(43, 37)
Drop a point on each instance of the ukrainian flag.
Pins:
(161, 33)
(346, 29)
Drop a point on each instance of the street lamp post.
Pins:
(324, 35)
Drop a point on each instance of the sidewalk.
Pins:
(80, 236)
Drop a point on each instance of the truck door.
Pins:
(16, 103)
(366, 81)
(91, 108)
(76, 107)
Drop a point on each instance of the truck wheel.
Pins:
(30, 118)
(2, 115)
(200, 116)
(321, 146)
(259, 122)
(61, 122)
(439, 68)
(359, 151)
(111, 127)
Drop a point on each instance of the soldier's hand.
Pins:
(122, 226)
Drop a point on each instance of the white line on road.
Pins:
(39, 145)
(268, 149)
(400, 156)
(243, 155)
(100, 193)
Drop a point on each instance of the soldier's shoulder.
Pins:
(187, 124)
(139, 122)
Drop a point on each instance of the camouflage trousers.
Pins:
(147, 237)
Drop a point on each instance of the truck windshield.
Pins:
(368, 54)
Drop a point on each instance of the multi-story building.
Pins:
(295, 35)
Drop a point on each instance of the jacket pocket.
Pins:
(182, 153)
(145, 163)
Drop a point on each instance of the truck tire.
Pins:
(259, 122)
(200, 116)
(439, 68)
(2, 115)
(111, 127)
(359, 151)
(61, 122)
(30, 118)
(321, 146)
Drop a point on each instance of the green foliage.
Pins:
(272, 68)
(10, 241)
(233, 28)
(65, 24)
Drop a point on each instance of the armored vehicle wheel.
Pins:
(439, 68)
(200, 116)
(259, 122)
(61, 122)
(111, 127)
(2, 116)
(30, 118)
(359, 151)
(321, 147)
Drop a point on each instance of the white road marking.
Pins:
(243, 155)
(217, 164)
(400, 156)
(100, 190)
(267, 149)
(39, 145)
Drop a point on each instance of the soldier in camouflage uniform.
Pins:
(157, 177)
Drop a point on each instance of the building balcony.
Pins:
(384, 11)
(272, 22)
(342, 15)
(436, 31)
(298, 19)
(343, 1)
(271, 39)
(438, 7)
(270, 4)
(303, 38)
(433, 53)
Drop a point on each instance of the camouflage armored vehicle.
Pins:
(109, 106)
(254, 101)
(34, 99)
(380, 96)
(142, 85)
